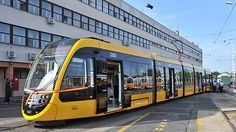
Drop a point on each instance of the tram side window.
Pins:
(130, 76)
(160, 78)
(79, 73)
(179, 78)
(137, 77)
(144, 76)
(188, 78)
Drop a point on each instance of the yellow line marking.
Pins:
(199, 124)
(161, 126)
(123, 129)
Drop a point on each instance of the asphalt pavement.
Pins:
(198, 113)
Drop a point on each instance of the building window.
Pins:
(67, 18)
(130, 38)
(104, 29)
(121, 35)
(76, 19)
(98, 27)
(111, 32)
(92, 3)
(33, 39)
(111, 9)
(122, 15)
(85, 22)
(117, 13)
(105, 7)
(99, 4)
(56, 38)
(116, 33)
(45, 39)
(91, 25)
(18, 36)
(4, 33)
(85, 1)
(57, 13)
(20, 73)
(130, 19)
(33, 6)
(5, 2)
(125, 36)
(46, 9)
(20, 4)
(126, 15)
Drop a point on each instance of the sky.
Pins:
(199, 21)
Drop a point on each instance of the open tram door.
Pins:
(108, 84)
(171, 91)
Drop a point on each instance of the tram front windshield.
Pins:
(46, 66)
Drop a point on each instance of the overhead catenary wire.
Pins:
(221, 30)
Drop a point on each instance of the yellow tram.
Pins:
(78, 78)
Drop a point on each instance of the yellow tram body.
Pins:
(55, 109)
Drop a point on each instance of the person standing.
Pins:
(8, 87)
(221, 86)
(214, 86)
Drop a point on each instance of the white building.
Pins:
(28, 25)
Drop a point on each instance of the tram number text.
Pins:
(113, 55)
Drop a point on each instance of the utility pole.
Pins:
(233, 57)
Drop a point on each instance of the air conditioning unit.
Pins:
(125, 43)
(11, 54)
(31, 56)
(51, 20)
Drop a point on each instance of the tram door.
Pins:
(114, 85)
(171, 83)
(101, 85)
(108, 85)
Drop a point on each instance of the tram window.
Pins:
(79, 73)
(179, 78)
(160, 78)
(137, 77)
(130, 76)
(145, 76)
(188, 74)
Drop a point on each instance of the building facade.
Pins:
(26, 26)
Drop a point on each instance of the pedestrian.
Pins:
(214, 86)
(221, 86)
(8, 87)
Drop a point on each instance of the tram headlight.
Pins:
(35, 102)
